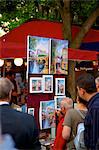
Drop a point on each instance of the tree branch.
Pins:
(84, 29)
(59, 4)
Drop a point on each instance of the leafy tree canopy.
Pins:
(15, 12)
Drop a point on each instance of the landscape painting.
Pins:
(38, 55)
(60, 86)
(58, 100)
(35, 85)
(59, 56)
(47, 114)
(47, 83)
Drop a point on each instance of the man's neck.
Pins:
(89, 96)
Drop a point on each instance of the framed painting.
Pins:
(60, 86)
(31, 111)
(47, 114)
(38, 49)
(58, 100)
(47, 83)
(59, 56)
(35, 85)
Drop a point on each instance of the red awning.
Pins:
(14, 44)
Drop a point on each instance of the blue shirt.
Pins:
(91, 134)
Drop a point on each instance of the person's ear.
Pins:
(83, 91)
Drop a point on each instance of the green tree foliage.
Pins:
(16, 12)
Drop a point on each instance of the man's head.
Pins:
(66, 104)
(97, 83)
(8, 75)
(5, 89)
(86, 86)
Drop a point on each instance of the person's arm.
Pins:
(66, 133)
(67, 125)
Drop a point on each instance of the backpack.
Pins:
(79, 139)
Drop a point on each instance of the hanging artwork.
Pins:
(38, 50)
(35, 85)
(47, 114)
(60, 86)
(59, 56)
(58, 100)
(47, 83)
(31, 111)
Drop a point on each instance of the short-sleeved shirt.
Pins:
(72, 119)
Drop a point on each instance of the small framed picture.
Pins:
(35, 85)
(58, 100)
(47, 114)
(60, 86)
(31, 111)
(47, 83)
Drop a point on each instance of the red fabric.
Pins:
(59, 143)
(76, 54)
(14, 44)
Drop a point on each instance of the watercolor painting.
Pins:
(47, 114)
(38, 55)
(59, 56)
(47, 83)
(35, 85)
(60, 86)
(58, 100)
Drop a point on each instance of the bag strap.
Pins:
(83, 117)
(81, 114)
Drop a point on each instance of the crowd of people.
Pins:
(23, 129)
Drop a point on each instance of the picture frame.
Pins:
(31, 111)
(35, 84)
(59, 86)
(38, 55)
(47, 114)
(47, 83)
(58, 100)
(59, 56)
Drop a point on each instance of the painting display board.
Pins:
(46, 55)
(47, 67)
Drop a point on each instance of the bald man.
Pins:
(60, 143)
